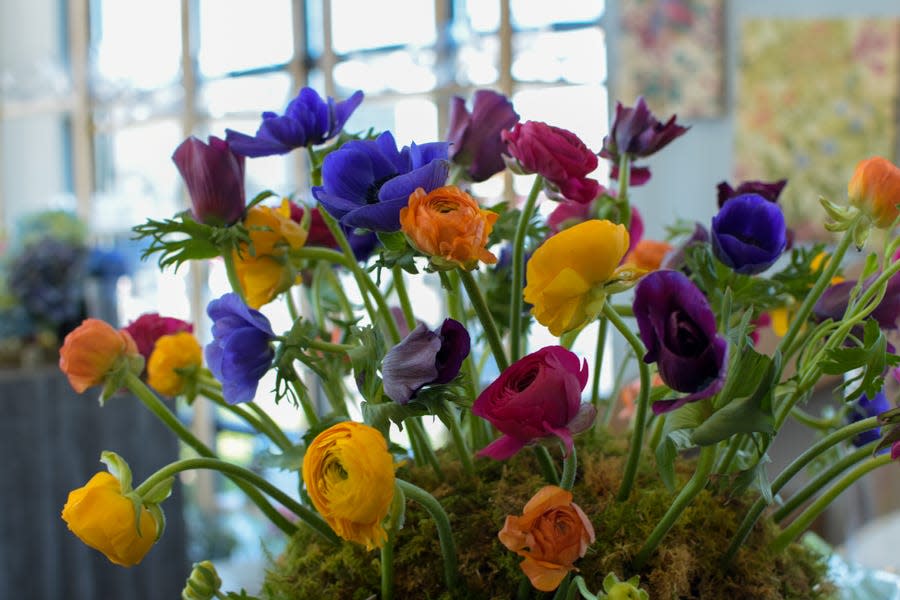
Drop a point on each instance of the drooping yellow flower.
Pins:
(875, 188)
(104, 519)
(175, 351)
(267, 271)
(448, 225)
(567, 273)
(349, 475)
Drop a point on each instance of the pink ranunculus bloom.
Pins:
(538, 396)
(149, 327)
(319, 234)
(557, 155)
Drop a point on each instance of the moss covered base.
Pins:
(686, 564)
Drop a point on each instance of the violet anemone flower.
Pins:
(423, 358)
(365, 183)
(214, 176)
(241, 350)
(538, 396)
(474, 137)
(307, 121)
(149, 327)
(863, 408)
(768, 190)
(749, 234)
(678, 328)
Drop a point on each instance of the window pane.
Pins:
(482, 16)
(575, 56)
(136, 44)
(363, 24)
(273, 173)
(396, 71)
(236, 35)
(34, 170)
(32, 49)
(409, 120)
(477, 61)
(528, 14)
(247, 94)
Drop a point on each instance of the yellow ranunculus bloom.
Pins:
(103, 519)
(270, 227)
(567, 272)
(349, 475)
(175, 351)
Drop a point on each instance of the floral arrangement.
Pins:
(534, 491)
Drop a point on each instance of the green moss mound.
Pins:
(685, 565)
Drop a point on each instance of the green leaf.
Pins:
(668, 449)
(159, 492)
(290, 459)
(394, 241)
(380, 416)
(755, 477)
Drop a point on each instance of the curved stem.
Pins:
(231, 271)
(291, 305)
(270, 422)
(309, 410)
(442, 524)
(808, 516)
(162, 412)
(484, 315)
(273, 433)
(598, 363)
(313, 253)
(693, 487)
(387, 569)
(616, 388)
(570, 466)
(518, 269)
(317, 344)
(545, 461)
(640, 415)
(235, 473)
(403, 296)
(451, 420)
(415, 429)
(339, 292)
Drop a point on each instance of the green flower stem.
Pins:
(659, 426)
(809, 515)
(317, 344)
(162, 412)
(562, 591)
(451, 420)
(387, 569)
(309, 411)
(624, 310)
(792, 469)
(736, 444)
(291, 305)
(415, 429)
(822, 479)
(233, 278)
(248, 477)
(570, 467)
(640, 415)
(693, 487)
(583, 589)
(598, 363)
(622, 196)
(616, 388)
(518, 270)
(338, 289)
(545, 462)
(273, 433)
(403, 296)
(484, 315)
(315, 254)
(523, 592)
(272, 425)
(441, 523)
(450, 281)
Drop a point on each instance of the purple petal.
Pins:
(410, 364)
(455, 346)
(502, 448)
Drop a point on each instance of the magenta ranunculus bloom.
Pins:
(148, 328)
(768, 190)
(214, 176)
(678, 328)
(538, 396)
(475, 141)
(556, 154)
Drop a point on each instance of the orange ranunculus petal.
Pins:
(544, 576)
(648, 255)
(875, 188)
(91, 350)
(175, 351)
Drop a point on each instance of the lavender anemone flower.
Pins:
(474, 137)
(365, 183)
(749, 234)
(214, 176)
(241, 351)
(833, 302)
(678, 328)
(424, 357)
(307, 121)
(863, 409)
(768, 190)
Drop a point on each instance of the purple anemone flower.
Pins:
(833, 302)
(749, 234)
(241, 350)
(424, 357)
(678, 328)
(675, 260)
(474, 137)
(214, 176)
(365, 183)
(307, 121)
(768, 190)
(863, 409)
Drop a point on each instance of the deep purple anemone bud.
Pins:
(241, 350)
(538, 396)
(749, 234)
(423, 358)
(768, 190)
(833, 302)
(474, 137)
(676, 260)
(307, 121)
(678, 328)
(863, 409)
(638, 133)
(214, 176)
(365, 183)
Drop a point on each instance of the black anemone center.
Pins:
(372, 192)
(683, 336)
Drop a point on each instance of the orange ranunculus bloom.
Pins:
(179, 350)
(875, 188)
(448, 225)
(103, 519)
(92, 350)
(648, 255)
(556, 533)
